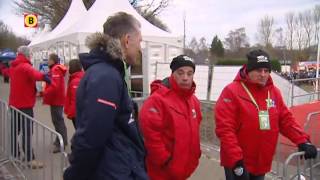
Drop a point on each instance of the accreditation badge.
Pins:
(264, 120)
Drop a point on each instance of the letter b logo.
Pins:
(30, 20)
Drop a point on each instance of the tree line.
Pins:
(8, 39)
(294, 41)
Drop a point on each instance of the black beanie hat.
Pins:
(180, 61)
(258, 59)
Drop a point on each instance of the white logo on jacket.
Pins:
(131, 120)
(194, 113)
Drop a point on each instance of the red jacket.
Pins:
(70, 103)
(170, 120)
(23, 79)
(237, 124)
(54, 93)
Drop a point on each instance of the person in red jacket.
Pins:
(170, 120)
(23, 97)
(249, 115)
(54, 95)
(76, 73)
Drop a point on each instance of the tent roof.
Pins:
(75, 11)
(41, 35)
(78, 23)
(96, 16)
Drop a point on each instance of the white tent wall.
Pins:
(153, 53)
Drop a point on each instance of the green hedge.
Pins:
(238, 62)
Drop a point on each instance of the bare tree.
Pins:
(194, 45)
(151, 8)
(290, 29)
(265, 30)
(279, 38)
(298, 29)
(8, 39)
(52, 11)
(316, 22)
(307, 25)
(203, 49)
(237, 39)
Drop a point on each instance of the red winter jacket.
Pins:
(54, 93)
(170, 120)
(237, 124)
(70, 103)
(23, 79)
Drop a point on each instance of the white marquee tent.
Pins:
(68, 38)
(45, 42)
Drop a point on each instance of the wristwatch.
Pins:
(238, 171)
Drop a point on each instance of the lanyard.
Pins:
(252, 98)
(127, 78)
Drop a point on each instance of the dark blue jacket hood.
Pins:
(99, 55)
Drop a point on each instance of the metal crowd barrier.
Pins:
(208, 138)
(297, 168)
(27, 146)
(311, 127)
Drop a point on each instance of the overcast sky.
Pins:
(204, 18)
(15, 22)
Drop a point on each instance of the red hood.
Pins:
(78, 74)
(243, 76)
(170, 83)
(19, 60)
(61, 68)
(155, 85)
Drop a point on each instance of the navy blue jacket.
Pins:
(107, 143)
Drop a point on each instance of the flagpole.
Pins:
(317, 70)
(184, 31)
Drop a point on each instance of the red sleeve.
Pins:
(67, 103)
(151, 121)
(289, 127)
(226, 127)
(73, 92)
(35, 74)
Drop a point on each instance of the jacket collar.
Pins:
(103, 48)
(20, 59)
(180, 91)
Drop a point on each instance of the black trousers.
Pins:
(74, 122)
(58, 123)
(21, 123)
(230, 176)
